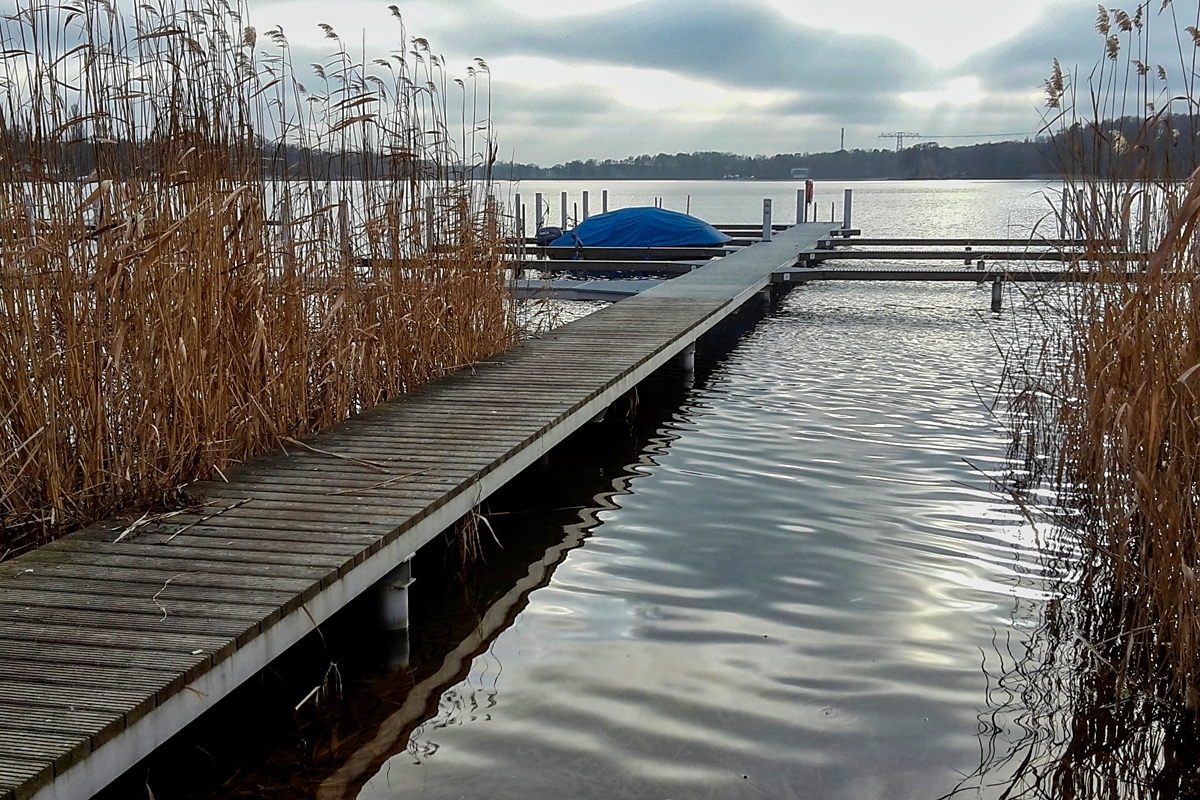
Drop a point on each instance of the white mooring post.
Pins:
(766, 234)
(520, 220)
(801, 208)
(585, 205)
(537, 212)
(604, 202)
(847, 205)
(429, 223)
(563, 218)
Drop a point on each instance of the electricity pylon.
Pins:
(900, 136)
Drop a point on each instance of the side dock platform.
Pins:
(108, 648)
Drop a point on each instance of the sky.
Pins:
(613, 78)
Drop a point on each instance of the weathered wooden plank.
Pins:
(21, 777)
(60, 749)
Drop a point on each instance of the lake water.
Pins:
(784, 577)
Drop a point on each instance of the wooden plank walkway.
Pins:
(107, 647)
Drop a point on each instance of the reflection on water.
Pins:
(792, 602)
(786, 577)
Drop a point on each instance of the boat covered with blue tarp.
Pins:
(642, 227)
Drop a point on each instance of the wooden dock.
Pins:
(116, 637)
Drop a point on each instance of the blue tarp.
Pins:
(642, 227)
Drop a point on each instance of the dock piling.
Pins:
(585, 205)
(847, 206)
(604, 202)
(997, 294)
(801, 207)
(687, 358)
(393, 597)
(537, 212)
(766, 234)
(563, 218)
(519, 216)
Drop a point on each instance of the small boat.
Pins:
(642, 227)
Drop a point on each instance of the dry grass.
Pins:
(185, 280)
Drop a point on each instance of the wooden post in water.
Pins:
(801, 207)
(344, 225)
(429, 238)
(520, 218)
(585, 205)
(766, 234)
(832, 211)
(997, 294)
(604, 202)
(537, 212)
(847, 205)
(563, 218)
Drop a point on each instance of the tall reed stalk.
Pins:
(201, 256)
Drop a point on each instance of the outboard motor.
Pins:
(546, 235)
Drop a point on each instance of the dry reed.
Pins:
(1107, 405)
(201, 257)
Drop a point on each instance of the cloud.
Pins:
(672, 75)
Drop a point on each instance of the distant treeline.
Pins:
(930, 160)
(1124, 145)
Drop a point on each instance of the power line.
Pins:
(975, 135)
(900, 136)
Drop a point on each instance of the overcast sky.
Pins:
(612, 78)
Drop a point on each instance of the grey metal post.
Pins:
(520, 219)
(847, 204)
(604, 202)
(563, 218)
(1079, 206)
(585, 205)
(1062, 220)
(1146, 219)
(537, 212)
(687, 358)
(766, 234)
(33, 218)
(343, 224)
(429, 237)
(801, 209)
(997, 295)
(393, 597)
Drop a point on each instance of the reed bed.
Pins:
(201, 257)
(1105, 701)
